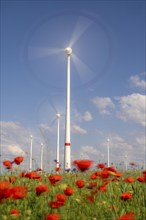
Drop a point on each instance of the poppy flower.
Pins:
(69, 191)
(15, 212)
(33, 175)
(83, 165)
(119, 174)
(102, 188)
(112, 169)
(93, 176)
(140, 179)
(80, 183)
(61, 197)
(4, 184)
(7, 164)
(57, 169)
(18, 192)
(53, 216)
(126, 196)
(106, 182)
(18, 160)
(56, 204)
(5, 191)
(41, 188)
(101, 165)
(127, 216)
(54, 178)
(104, 174)
(130, 180)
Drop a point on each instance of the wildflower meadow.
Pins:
(87, 193)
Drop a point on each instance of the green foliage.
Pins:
(106, 205)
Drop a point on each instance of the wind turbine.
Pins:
(67, 145)
(108, 145)
(42, 149)
(30, 159)
(36, 53)
(57, 147)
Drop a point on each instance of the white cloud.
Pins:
(103, 104)
(87, 116)
(89, 150)
(15, 139)
(132, 108)
(136, 81)
(16, 150)
(78, 129)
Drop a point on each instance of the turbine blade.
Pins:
(53, 122)
(85, 73)
(52, 105)
(81, 27)
(40, 52)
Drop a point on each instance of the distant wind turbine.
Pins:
(30, 161)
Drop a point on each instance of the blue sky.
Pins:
(107, 78)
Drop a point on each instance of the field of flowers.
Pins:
(100, 194)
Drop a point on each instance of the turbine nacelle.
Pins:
(68, 51)
(58, 115)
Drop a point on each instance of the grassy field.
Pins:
(101, 194)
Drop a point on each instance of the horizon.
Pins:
(108, 79)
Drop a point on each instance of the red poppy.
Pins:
(102, 188)
(53, 216)
(69, 191)
(112, 169)
(126, 196)
(33, 175)
(5, 191)
(61, 197)
(141, 179)
(119, 174)
(54, 178)
(15, 212)
(18, 192)
(57, 169)
(127, 216)
(18, 160)
(56, 204)
(130, 180)
(7, 164)
(101, 165)
(104, 174)
(93, 176)
(41, 188)
(80, 183)
(4, 184)
(106, 182)
(83, 165)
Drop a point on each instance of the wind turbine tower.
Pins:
(57, 148)
(67, 145)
